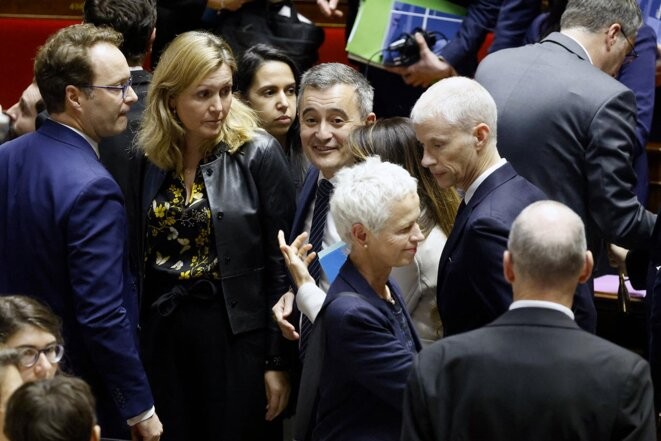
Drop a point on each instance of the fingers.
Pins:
(150, 429)
(422, 43)
(277, 393)
(281, 311)
(329, 7)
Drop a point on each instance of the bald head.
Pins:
(547, 245)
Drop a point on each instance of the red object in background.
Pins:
(20, 38)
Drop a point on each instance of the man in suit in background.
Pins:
(136, 21)
(532, 373)
(333, 99)
(63, 232)
(569, 127)
(455, 120)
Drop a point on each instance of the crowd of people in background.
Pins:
(227, 248)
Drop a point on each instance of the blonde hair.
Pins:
(189, 59)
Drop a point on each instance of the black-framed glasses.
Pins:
(632, 55)
(124, 87)
(28, 355)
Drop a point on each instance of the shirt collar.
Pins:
(582, 47)
(542, 304)
(485, 174)
(94, 144)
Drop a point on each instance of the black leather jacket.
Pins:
(251, 197)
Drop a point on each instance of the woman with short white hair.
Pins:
(369, 340)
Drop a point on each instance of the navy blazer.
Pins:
(366, 363)
(531, 374)
(304, 202)
(471, 288)
(63, 241)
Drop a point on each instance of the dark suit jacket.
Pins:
(530, 375)
(569, 128)
(63, 241)
(304, 202)
(366, 363)
(471, 288)
(126, 163)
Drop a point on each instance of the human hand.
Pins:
(427, 70)
(297, 257)
(617, 257)
(227, 5)
(329, 8)
(281, 312)
(150, 429)
(277, 393)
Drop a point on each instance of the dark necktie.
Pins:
(461, 208)
(319, 215)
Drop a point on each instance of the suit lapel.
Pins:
(304, 201)
(567, 44)
(493, 181)
(66, 135)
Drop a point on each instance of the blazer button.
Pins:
(219, 215)
(209, 172)
(233, 303)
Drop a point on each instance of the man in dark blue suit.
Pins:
(136, 21)
(532, 373)
(333, 99)
(63, 232)
(455, 120)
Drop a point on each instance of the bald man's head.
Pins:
(547, 244)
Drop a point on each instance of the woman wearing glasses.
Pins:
(34, 331)
(216, 191)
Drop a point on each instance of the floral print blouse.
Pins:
(180, 240)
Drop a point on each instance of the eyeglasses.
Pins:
(124, 87)
(632, 55)
(28, 356)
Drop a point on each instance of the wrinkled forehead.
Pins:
(340, 98)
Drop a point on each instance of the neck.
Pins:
(589, 41)
(282, 140)
(562, 294)
(376, 276)
(191, 157)
(71, 121)
(487, 159)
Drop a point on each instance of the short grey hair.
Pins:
(596, 15)
(462, 102)
(365, 193)
(547, 243)
(326, 75)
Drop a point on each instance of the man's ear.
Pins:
(371, 119)
(96, 433)
(72, 95)
(481, 133)
(611, 35)
(588, 264)
(508, 267)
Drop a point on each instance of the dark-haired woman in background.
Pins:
(267, 82)
(393, 139)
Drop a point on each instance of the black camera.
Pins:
(404, 50)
